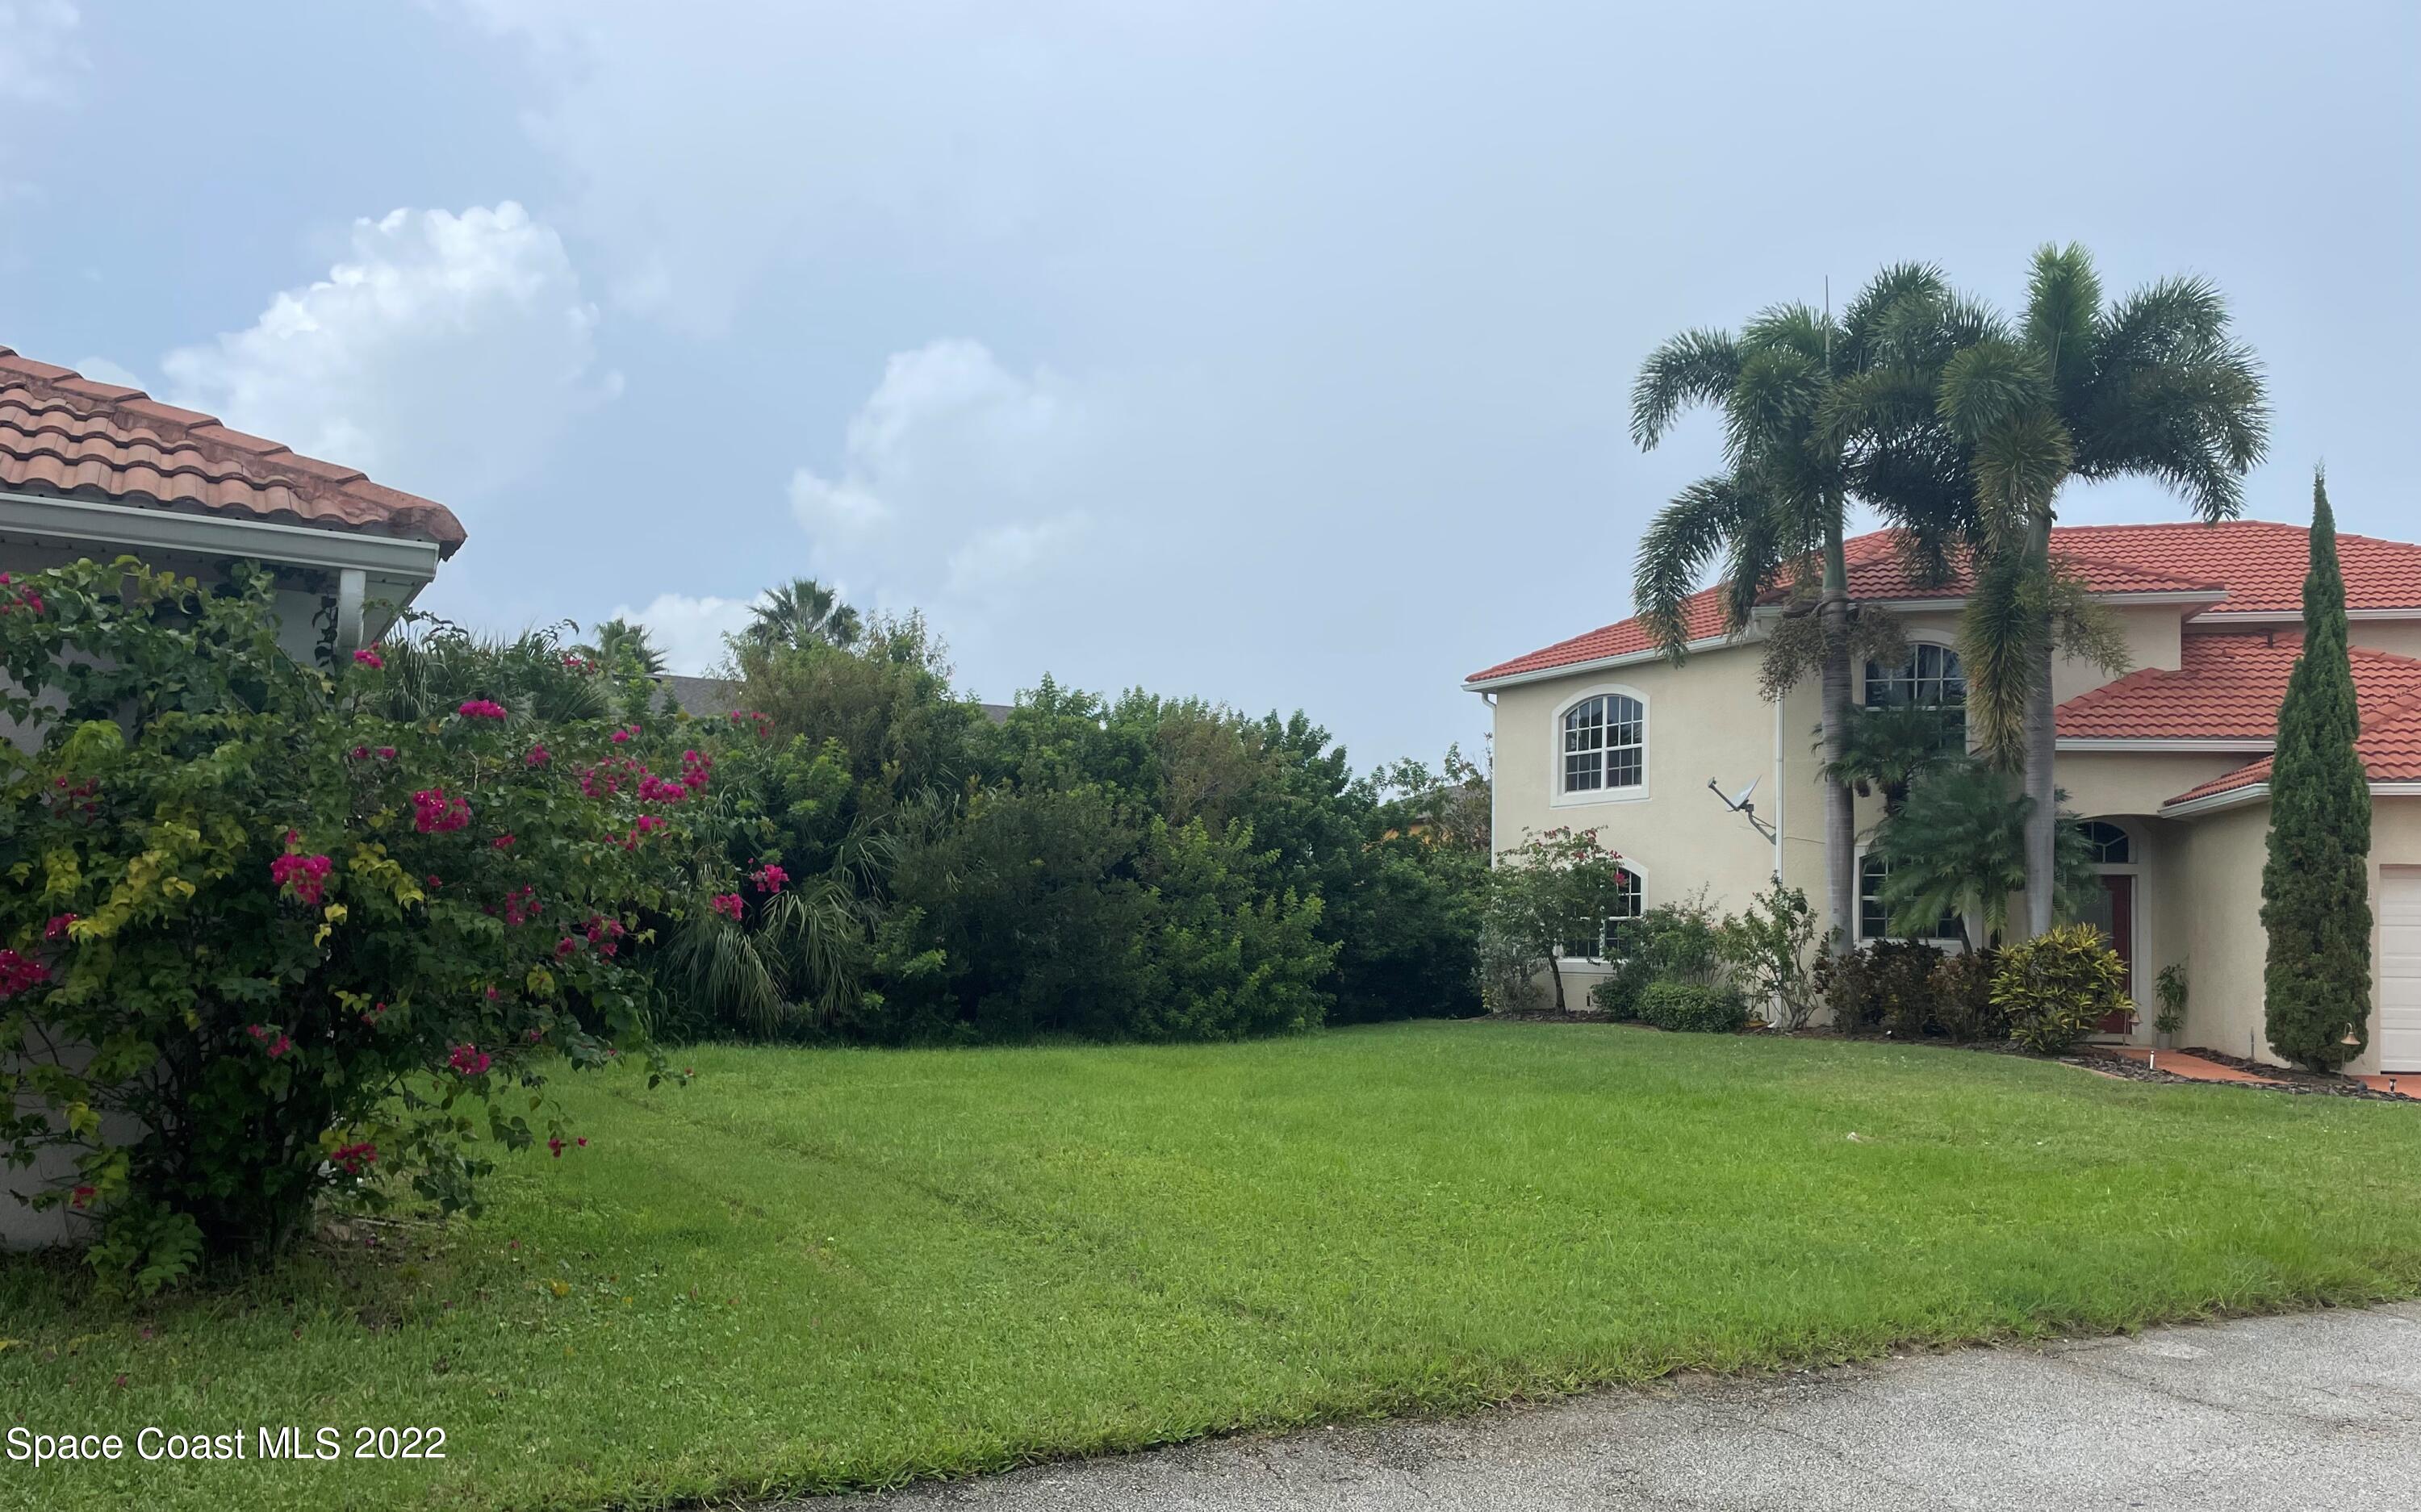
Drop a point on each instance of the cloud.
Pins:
(102, 369)
(39, 56)
(690, 631)
(444, 354)
(955, 480)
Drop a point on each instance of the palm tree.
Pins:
(1815, 416)
(2152, 386)
(803, 611)
(1956, 846)
(619, 641)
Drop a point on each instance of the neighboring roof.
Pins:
(2389, 745)
(705, 697)
(2227, 687)
(67, 434)
(2243, 566)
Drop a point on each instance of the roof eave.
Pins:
(1627, 658)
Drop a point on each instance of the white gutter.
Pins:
(1627, 658)
(80, 522)
(2290, 617)
(2158, 747)
(2254, 791)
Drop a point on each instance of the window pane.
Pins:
(1622, 768)
(1581, 773)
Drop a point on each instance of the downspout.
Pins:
(353, 585)
(1489, 699)
(1781, 791)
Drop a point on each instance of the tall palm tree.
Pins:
(1817, 416)
(803, 611)
(619, 641)
(2150, 385)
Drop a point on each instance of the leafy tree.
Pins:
(803, 611)
(1816, 419)
(2315, 883)
(2150, 385)
(1554, 889)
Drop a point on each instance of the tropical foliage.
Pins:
(2057, 986)
(1956, 848)
(271, 933)
(1553, 891)
(2316, 881)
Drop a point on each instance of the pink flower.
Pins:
(502, 842)
(359, 753)
(622, 736)
(538, 756)
(726, 904)
(81, 1196)
(386, 753)
(367, 656)
(434, 881)
(434, 813)
(481, 709)
(57, 928)
(20, 974)
(522, 905)
(304, 876)
(579, 664)
(468, 1060)
(565, 946)
(555, 1146)
(354, 1157)
(770, 878)
(279, 1047)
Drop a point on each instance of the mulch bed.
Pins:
(2277, 1078)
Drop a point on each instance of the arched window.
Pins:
(1605, 743)
(2111, 847)
(1874, 919)
(1604, 942)
(1931, 677)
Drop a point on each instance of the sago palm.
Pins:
(2150, 386)
(1793, 468)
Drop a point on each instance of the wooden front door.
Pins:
(2118, 923)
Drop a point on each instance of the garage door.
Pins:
(2399, 968)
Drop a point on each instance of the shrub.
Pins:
(1508, 974)
(1766, 948)
(2171, 987)
(292, 940)
(1964, 1009)
(2055, 987)
(1884, 984)
(1694, 1008)
(1677, 942)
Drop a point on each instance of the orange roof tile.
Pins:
(2246, 566)
(2389, 745)
(2229, 687)
(63, 433)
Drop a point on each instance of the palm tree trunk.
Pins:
(1840, 816)
(2041, 745)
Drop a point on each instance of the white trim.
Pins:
(1915, 635)
(2168, 747)
(2252, 793)
(1600, 963)
(2137, 910)
(1627, 659)
(75, 521)
(2288, 616)
(1593, 797)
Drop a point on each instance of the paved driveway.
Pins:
(2317, 1409)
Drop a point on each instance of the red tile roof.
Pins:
(2229, 687)
(2248, 566)
(2389, 745)
(63, 433)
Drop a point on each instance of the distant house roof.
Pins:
(706, 697)
(2252, 568)
(62, 433)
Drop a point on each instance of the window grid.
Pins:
(1609, 930)
(1605, 743)
(1874, 920)
(2111, 847)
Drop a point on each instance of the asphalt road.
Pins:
(2320, 1409)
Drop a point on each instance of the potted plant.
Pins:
(2170, 988)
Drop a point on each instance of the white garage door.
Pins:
(2399, 968)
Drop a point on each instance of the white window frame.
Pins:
(1925, 637)
(1858, 909)
(1639, 910)
(1637, 792)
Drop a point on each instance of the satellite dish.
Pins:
(1741, 801)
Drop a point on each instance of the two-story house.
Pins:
(2167, 765)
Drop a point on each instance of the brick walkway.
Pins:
(2194, 1069)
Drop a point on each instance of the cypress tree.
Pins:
(2316, 884)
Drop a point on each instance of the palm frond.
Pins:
(2064, 316)
(1694, 367)
(1685, 535)
(2019, 465)
(1799, 328)
(1998, 633)
(1986, 385)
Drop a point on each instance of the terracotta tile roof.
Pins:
(2229, 687)
(63, 433)
(2247, 566)
(2389, 745)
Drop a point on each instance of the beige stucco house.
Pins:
(2166, 763)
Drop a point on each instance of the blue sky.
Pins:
(1276, 353)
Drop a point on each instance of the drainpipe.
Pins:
(1489, 699)
(353, 585)
(1781, 791)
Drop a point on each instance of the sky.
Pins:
(1276, 353)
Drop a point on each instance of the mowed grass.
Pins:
(824, 1270)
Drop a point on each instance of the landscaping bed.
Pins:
(818, 1269)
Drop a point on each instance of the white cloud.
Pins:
(444, 354)
(690, 631)
(957, 477)
(39, 56)
(102, 370)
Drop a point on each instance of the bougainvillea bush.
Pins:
(300, 935)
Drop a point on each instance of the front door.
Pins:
(2114, 913)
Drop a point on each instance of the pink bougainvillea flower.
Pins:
(434, 881)
(565, 946)
(770, 878)
(81, 1196)
(481, 709)
(305, 877)
(726, 904)
(279, 1046)
(354, 1157)
(20, 974)
(538, 756)
(256, 1031)
(582, 1142)
(622, 736)
(502, 842)
(367, 656)
(359, 753)
(386, 753)
(579, 664)
(468, 1060)
(435, 813)
(57, 928)
(556, 1146)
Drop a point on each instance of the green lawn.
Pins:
(820, 1269)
